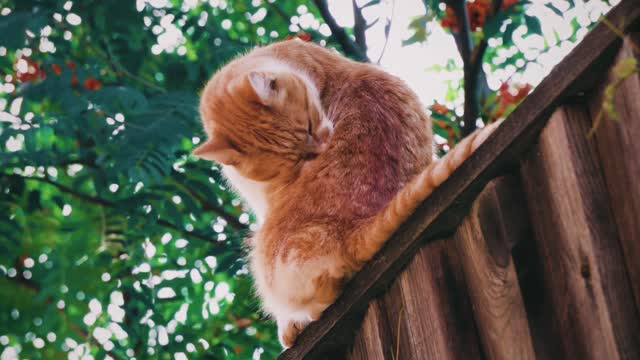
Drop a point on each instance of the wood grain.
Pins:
(619, 150)
(447, 205)
(483, 241)
(373, 340)
(429, 302)
(578, 243)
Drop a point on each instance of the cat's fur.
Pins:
(332, 155)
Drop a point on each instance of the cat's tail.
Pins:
(374, 233)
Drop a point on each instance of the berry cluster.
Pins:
(440, 109)
(34, 71)
(477, 11)
(442, 118)
(301, 35)
(510, 95)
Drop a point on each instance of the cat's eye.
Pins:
(272, 84)
(310, 128)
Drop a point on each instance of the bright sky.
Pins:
(411, 62)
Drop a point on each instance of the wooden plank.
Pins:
(429, 302)
(373, 340)
(578, 243)
(537, 301)
(619, 150)
(441, 212)
(484, 242)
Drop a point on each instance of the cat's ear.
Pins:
(264, 85)
(217, 148)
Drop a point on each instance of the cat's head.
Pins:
(264, 122)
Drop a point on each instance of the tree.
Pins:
(113, 239)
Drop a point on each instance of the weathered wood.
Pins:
(442, 211)
(429, 302)
(619, 150)
(578, 243)
(483, 240)
(545, 336)
(373, 340)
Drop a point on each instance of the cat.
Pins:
(332, 156)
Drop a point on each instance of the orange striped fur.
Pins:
(371, 236)
(331, 155)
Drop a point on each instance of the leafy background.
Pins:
(114, 241)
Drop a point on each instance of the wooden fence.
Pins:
(544, 263)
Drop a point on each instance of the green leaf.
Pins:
(554, 9)
(533, 24)
(119, 99)
(419, 27)
(625, 68)
(13, 29)
(507, 37)
(492, 27)
(370, 3)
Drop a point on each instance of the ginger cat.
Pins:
(332, 156)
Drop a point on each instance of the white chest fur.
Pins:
(252, 192)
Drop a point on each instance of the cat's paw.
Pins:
(288, 331)
(315, 316)
(316, 310)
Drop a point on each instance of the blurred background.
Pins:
(114, 241)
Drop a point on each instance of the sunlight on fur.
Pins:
(332, 155)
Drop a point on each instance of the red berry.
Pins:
(56, 69)
(91, 84)
(440, 109)
(304, 36)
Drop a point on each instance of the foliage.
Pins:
(622, 70)
(102, 200)
(114, 241)
(497, 31)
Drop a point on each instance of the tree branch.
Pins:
(478, 52)
(387, 30)
(122, 71)
(359, 27)
(185, 233)
(475, 82)
(206, 205)
(464, 41)
(274, 6)
(67, 190)
(107, 203)
(339, 34)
